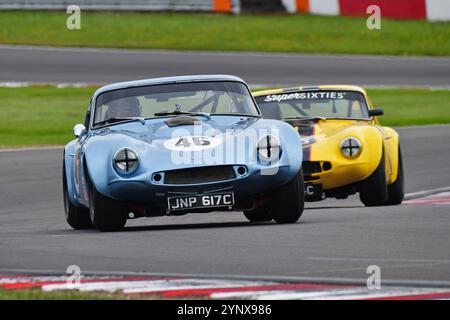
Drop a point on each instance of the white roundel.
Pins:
(192, 143)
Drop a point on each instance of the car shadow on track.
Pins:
(181, 226)
(335, 207)
(186, 226)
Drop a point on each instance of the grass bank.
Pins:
(37, 294)
(37, 116)
(264, 33)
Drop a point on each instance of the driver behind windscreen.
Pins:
(124, 108)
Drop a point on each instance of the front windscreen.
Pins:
(220, 98)
(324, 104)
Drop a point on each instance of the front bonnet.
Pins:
(219, 140)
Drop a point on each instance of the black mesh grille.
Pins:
(310, 167)
(199, 175)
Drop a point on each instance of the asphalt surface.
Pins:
(57, 65)
(334, 239)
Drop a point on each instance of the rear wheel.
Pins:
(258, 215)
(106, 214)
(289, 201)
(396, 191)
(77, 218)
(373, 190)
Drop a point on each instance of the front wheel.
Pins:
(396, 191)
(373, 190)
(106, 214)
(77, 218)
(258, 215)
(289, 200)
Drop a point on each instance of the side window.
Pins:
(101, 113)
(87, 118)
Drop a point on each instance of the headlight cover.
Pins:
(351, 147)
(269, 149)
(125, 161)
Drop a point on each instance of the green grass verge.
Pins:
(40, 115)
(265, 33)
(404, 107)
(36, 116)
(37, 294)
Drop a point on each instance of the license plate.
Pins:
(313, 192)
(215, 200)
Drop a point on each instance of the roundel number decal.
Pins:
(191, 143)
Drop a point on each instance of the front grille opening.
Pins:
(326, 166)
(310, 167)
(310, 178)
(199, 175)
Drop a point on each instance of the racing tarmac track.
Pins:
(334, 239)
(72, 65)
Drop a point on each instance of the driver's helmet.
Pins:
(124, 108)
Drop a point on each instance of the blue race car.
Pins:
(171, 146)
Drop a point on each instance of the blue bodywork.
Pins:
(91, 155)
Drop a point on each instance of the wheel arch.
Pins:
(373, 148)
(392, 146)
(69, 170)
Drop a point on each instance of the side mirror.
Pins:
(376, 112)
(79, 129)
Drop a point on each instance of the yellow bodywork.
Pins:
(327, 137)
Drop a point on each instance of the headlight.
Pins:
(269, 149)
(125, 161)
(351, 147)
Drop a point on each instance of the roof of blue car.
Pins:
(154, 81)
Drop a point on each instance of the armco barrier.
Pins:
(139, 5)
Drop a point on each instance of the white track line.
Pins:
(253, 86)
(273, 278)
(111, 286)
(223, 53)
(32, 149)
(425, 193)
(205, 285)
(279, 294)
(148, 286)
(58, 85)
(374, 294)
(129, 286)
(334, 294)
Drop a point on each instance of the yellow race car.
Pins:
(345, 149)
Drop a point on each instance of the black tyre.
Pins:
(373, 190)
(77, 218)
(258, 215)
(396, 191)
(106, 214)
(289, 201)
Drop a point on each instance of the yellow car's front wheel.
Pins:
(373, 191)
(396, 191)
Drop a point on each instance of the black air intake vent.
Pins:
(310, 167)
(199, 175)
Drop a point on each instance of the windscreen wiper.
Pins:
(176, 113)
(305, 118)
(114, 120)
